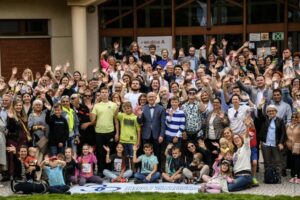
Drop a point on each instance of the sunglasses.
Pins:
(191, 146)
(87, 95)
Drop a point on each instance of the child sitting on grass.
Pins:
(174, 165)
(149, 173)
(71, 169)
(86, 164)
(53, 168)
(219, 182)
(121, 171)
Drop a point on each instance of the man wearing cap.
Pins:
(193, 117)
(273, 136)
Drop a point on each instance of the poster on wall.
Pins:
(160, 42)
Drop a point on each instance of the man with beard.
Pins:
(134, 93)
(194, 61)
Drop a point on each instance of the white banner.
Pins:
(161, 42)
(131, 187)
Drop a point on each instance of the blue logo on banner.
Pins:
(99, 188)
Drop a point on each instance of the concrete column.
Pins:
(79, 38)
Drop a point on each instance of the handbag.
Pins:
(296, 149)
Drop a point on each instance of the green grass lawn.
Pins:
(149, 196)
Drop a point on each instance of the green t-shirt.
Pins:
(105, 116)
(129, 128)
(148, 163)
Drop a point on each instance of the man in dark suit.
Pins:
(152, 58)
(152, 118)
(272, 135)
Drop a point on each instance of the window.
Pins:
(223, 12)
(24, 27)
(107, 43)
(265, 11)
(294, 41)
(113, 9)
(294, 11)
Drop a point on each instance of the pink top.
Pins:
(218, 171)
(87, 165)
(104, 64)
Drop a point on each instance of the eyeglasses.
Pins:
(236, 114)
(191, 146)
(87, 95)
(271, 111)
(192, 93)
(159, 68)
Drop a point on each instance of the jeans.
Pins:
(59, 189)
(71, 143)
(240, 183)
(128, 150)
(113, 174)
(54, 150)
(142, 176)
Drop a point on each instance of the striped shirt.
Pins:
(175, 124)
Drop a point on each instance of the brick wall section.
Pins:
(23, 53)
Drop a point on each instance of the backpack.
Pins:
(271, 176)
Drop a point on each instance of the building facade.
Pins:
(36, 32)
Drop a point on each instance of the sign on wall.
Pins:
(264, 36)
(160, 42)
(254, 37)
(278, 36)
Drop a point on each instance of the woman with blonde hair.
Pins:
(18, 132)
(27, 75)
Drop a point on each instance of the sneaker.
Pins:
(12, 186)
(292, 180)
(138, 181)
(114, 180)
(254, 182)
(124, 180)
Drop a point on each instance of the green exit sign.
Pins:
(278, 36)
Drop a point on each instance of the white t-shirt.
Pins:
(132, 98)
(241, 158)
(236, 118)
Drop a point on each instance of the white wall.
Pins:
(59, 15)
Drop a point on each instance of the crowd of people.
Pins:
(198, 119)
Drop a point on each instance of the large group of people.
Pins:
(198, 119)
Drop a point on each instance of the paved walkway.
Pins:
(284, 188)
